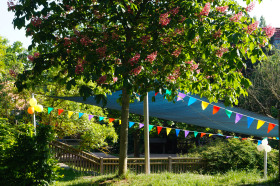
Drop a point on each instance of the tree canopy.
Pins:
(142, 45)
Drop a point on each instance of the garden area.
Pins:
(139, 93)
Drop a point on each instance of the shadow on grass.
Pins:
(71, 175)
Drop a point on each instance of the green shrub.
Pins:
(25, 157)
(234, 154)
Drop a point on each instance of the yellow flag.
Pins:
(210, 135)
(260, 123)
(204, 105)
(274, 137)
(120, 121)
(168, 130)
(70, 113)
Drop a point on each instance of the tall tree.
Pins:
(142, 45)
(262, 22)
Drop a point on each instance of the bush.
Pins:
(234, 154)
(25, 158)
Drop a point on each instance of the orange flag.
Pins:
(111, 120)
(270, 127)
(158, 129)
(60, 111)
(216, 109)
(202, 134)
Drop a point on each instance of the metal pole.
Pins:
(265, 164)
(146, 134)
(34, 119)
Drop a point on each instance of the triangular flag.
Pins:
(274, 138)
(168, 92)
(177, 132)
(90, 117)
(191, 101)
(202, 134)
(59, 111)
(80, 114)
(186, 133)
(101, 118)
(70, 113)
(260, 124)
(120, 122)
(181, 96)
(158, 129)
(156, 93)
(243, 138)
(168, 130)
(130, 124)
(210, 135)
(259, 142)
(277, 138)
(150, 127)
(228, 137)
(216, 109)
(238, 117)
(195, 133)
(228, 112)
(204, 105)
(236, 137)
(141, 125)
(50, 109)
(270, 127)
(249, 121)
(111, 120)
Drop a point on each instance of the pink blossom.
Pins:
(179, 31)
(164, 20)
(165, 41)
(217, 34)
(182, 19)
(36, 54)
(250, 7)
(177, 52)
(36, 21)
(79, 68)
(11, 5)
(151, 57)
(12, 73)
(220, 52)
(145, 39)
(68, 7)
(205, 11)
(198, 71)
(222, 9)
(115, 36)
(134, 60)
(102, 79)
(252, 27)
(85, 41)
(115, 79)
(236, 17)
(269, 31)
(189, 62)
(67, 41)
(175, 11)
(101, 51)
(30, 58)
(136, 70)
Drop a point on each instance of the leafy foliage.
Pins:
(26, 158)
(234, 154)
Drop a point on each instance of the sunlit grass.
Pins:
(229, 178)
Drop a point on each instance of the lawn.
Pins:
(229, 178)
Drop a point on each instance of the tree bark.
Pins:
(124, 132)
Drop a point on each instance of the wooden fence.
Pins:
(86, 162)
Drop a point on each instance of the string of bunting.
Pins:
(216, 109)
(141, 125)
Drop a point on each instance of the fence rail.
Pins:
(86, 162)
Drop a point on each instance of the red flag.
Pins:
(60, 111)
(111, 120)
(243, 138)
(270, 127)
(158, 129)
(156, 93)
(216, 109)
(202, 134)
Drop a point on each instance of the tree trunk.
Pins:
(124, 132)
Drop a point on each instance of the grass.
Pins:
(229, 178)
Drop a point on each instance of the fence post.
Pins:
(101, 165)
(169, 163)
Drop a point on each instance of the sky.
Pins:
(268, 8)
